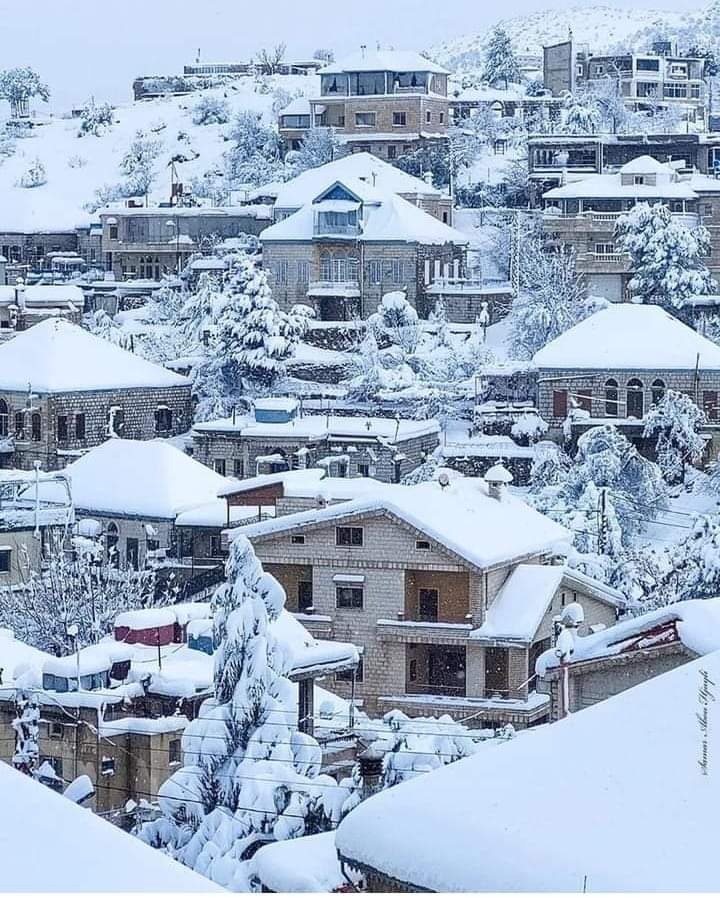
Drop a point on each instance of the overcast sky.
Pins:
(84, 47)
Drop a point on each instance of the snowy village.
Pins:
(360, 448)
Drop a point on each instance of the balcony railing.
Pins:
(321, 229)
(351, 287)
(435, 689)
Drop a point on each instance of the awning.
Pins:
(348, 578)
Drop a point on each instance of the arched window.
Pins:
(635, 399)
(657, 390)
(611, 398)
(4, 418)
(112, 537)
(36, 427)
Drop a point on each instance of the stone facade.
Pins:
(59, 426)
(418, 659)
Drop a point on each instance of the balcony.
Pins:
(350, 288)
(404, 632)
(325, 229)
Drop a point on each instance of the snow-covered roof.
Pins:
(667, 184)
(323, 426)
(17, 656)
(697, 624)
(51, 844)
(645, 165)
(632, 336)
(307, 864)
(368, 60)
(392, 219)
(519, 607)
(610, 799)
(149, 478)
(44, 295)
(362, 167)
(306, 478)
(461, 517)
(91, 659)
(215, 514)
(298, 106)
(56, 356)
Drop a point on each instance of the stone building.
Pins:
(279, 437)
(449, 590)
(64, 390)
(387, 102)
(611, 367)
(583, 214)
(147, 243)
(612, 660)
(21, 307)
(352, 244)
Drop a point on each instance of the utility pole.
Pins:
(602, 521)
(515, 255)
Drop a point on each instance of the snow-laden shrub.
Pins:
(396, 321)
(211, 111)
(34, 176)
(95, 118)
(76, 161)
(528, 428)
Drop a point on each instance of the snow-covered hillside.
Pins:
(76, 166)
(601, 27)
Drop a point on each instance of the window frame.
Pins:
(352, 543)
(350, 596)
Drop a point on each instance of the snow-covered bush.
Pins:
(396, 321)
(18, 86)
(256, 156)
(76, 161)
(247, 769)
(320, 145)
(211, 110)
(666, 257)
(34, 176)
(529, 428)
(95, 118)
(675, 422)
(137, 164)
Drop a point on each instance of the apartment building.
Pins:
(583, 214)
(645, 81)
(447, 586)
(387, 102)
(352, 244)
(150, 242)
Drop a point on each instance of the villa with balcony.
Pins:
(354, 242)
(451, 590)
(386, 102)
(583, 214)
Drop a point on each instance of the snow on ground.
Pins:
(76, 167)
(611, 799)
(50, 844)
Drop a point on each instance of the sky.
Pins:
(92, 47)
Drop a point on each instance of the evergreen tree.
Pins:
(501, 64)
(581, 114)
(247, 769)
(201, 312)
(666, 256)
(675, 422)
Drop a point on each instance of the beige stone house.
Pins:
(277, 436)
(387, 102)
(64, 390)
(451, 591)
(611, 367)
(341, 252)
(612, 660)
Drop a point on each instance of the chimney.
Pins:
(371, 771)
(497, 479)
(20, 294)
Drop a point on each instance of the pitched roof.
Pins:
(49, 844)
(383, 61)
(609, 799)
(141, 477)
(462, 518)
(56, 356)
(389, 218)
(519, 607)
(364, 167)
(632, 336)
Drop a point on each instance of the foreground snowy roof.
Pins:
(149, 478)
(380, 60)
(56, 356)
(697, 624)
(462, 518)
(392, 219)
(364, 167)
(50, 844)
(610, 799)
(628, 335)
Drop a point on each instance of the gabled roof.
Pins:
(372, 171)
(461, 517)
(56, 356)
(519, 607)
(49, 844)
(148, 478)
(632, 336)
(645, 165)
(383, 61)
(611, 799)
(389, 218)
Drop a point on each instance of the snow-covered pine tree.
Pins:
(666, 257)
(675, 421)
(201, 312)
(247, 769)
(501, 65)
